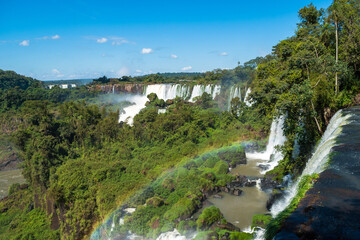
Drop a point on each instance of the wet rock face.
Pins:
(267, 183)
(263, 167)
(274, 196)
(250, 184)
(328, 211)
(331, 208)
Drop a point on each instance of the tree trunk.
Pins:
(316, 121)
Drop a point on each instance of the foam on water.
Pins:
(276, 138)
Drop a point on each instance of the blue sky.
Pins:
(61, 39)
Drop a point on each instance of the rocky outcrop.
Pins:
(331, 209)
(135, 88)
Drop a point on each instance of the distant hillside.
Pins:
(10, 79)
(78, 82)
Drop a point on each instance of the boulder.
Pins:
(275, 195)
(250, 184)
(237, 192)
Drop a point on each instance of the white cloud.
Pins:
(147, 51)
(55, 71)
(51, 37)
(25, 43)
(138, 71)
(120, 42)
(173, 56)
(224, 54)
(101, 40)
(186, 68)
(124, 71)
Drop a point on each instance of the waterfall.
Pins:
(198, 90)
(234, 92)
(246, 100)
(317, 162)
(276, 138)
(113, 89)
(165, 92)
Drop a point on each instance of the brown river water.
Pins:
(239, 210)
(7, 178)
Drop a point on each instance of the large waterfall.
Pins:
(171, 91)
(276, 138)
(317, 162)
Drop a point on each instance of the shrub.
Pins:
(209, 216)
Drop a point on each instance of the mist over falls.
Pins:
(137, 94)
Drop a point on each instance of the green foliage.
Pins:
(13, 188)
(155, 202)
(306, 80)
(209, 216)
(221, 167)
(18, 219)
(241, 74)
(260, 220)
(83, 160)
(183, 208)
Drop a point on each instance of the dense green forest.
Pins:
(225, 77)
(310, 76)
(80, 163)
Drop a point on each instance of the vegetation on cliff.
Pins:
(310, 76)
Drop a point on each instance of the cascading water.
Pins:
(317, 162)
(276, 138)
(234, 92)
(198, 90)
(165, 92)
(246, 100)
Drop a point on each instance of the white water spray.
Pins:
(246, 100)
(234, 92)
(165, 92)
(173, 235)
(276, 138)
(317, 162)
